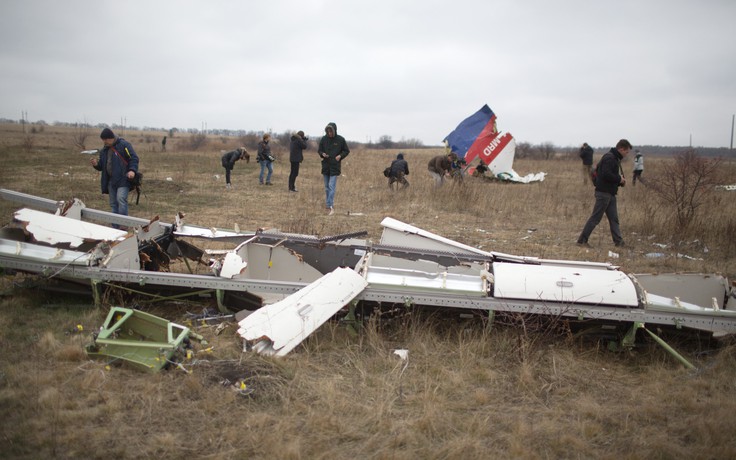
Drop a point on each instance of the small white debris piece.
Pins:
(612, 255)
(402, 353)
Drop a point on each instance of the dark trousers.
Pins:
(637, 175)
(227, 175)
(292, 175)
(605, 203)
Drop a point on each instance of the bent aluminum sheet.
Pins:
(278, 328)
(564, 284)
(52, 229)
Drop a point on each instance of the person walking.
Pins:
(296, 156)
(332, 150)
(163, 144)
(265, 159)
(440, 166)
(118, 163)
(399, 169)
(228, 162)
(610, 178)
(638, 167)
(586, 154)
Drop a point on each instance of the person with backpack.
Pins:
(609, 177)
(586, 154)
(118, 164)
(228, 162)
(398, 171)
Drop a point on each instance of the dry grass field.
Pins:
(514, 389)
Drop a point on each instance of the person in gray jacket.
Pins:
(229, 159)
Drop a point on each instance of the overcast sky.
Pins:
(566, 71)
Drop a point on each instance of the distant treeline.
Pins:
(545, 150)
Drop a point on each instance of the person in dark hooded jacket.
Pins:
(332, 149)
(296, 156)
(610, 178)
(118, 163)
(398, 171)
(229, 159)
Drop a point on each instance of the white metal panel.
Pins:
(397, 233)
(278, 328)
(563, 284)
(697, 288)
(35, 252)
(52, 229)
(423, 274)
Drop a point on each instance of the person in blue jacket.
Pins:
(118, 163)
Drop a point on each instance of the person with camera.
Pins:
(332, 150)
(296, 156)
(610, 178)
(265, 159)
(118, 163)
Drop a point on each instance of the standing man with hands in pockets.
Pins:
(118, 163)
(332, 149)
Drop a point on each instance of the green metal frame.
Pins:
(145, 341)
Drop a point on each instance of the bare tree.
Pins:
(80, 135)
(686, 184)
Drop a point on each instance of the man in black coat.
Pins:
(610, 178)
(398, 171)
(586, 154)
(296, 156)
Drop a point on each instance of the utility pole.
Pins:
(733, 117)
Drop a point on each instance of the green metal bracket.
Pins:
(671, 350)
(145, 341)
(491, 319)
(96, 294)
(350, 320)
(630, 338)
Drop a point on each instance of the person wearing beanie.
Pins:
(332, 150)
(296, 156)
(399, 171)
(118, 164)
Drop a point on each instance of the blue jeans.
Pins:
(119, 199)
(605, 203)
(264, 165)
(330, 186)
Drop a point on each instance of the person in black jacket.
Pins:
(398, 171)
(610, 178)
(229, 159)
(118, 164)
(586, 154)
(297, 146)
(332, 150)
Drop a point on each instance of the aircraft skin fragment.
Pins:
(278, 328)
(52, 229)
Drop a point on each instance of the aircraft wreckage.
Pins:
(293, 283)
